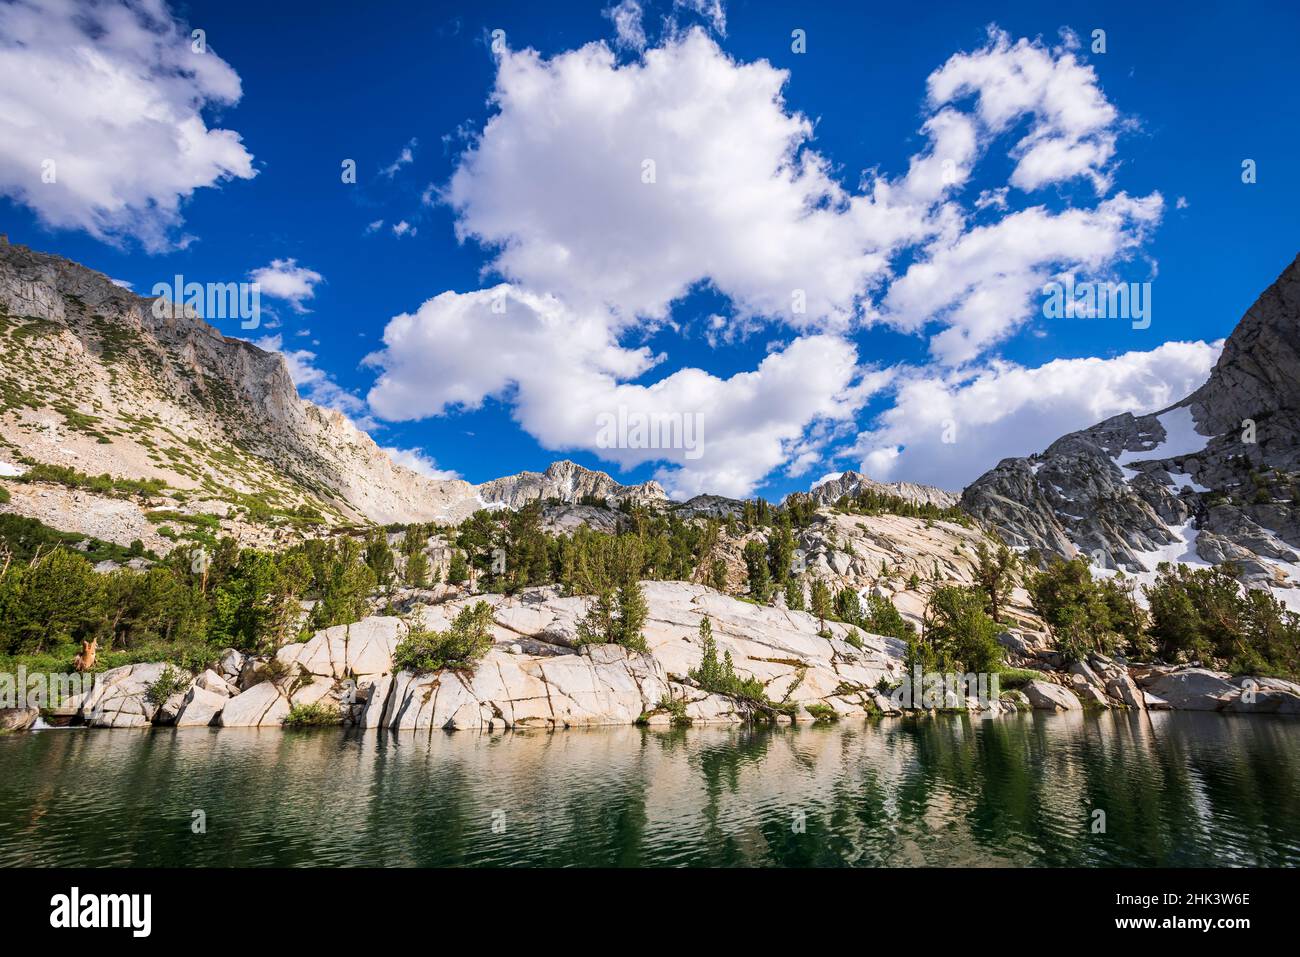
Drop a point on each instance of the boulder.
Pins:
(216, 684)
(17, 719)
(1147, 675)
(1264, 701)
(1194, 689)
(363, 648)
(1268, 684)
(884, 704)
(1154, 703)
(169, 709)
(200, 707)
(1045, 696)
(1092, 695)
(1016, 643)
(231, 665)
(1016, 700)
(260, 706)
(1088, 677)
(1123, 689)
(120, 696)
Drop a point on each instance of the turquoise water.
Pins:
(1177, 790)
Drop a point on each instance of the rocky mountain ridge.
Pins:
(94, 379)
(568, 482)
(830, 491)
(1212, 478)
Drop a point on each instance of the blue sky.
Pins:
(1186, 98)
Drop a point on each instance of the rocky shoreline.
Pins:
(537, 676)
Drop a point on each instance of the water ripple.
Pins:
(1175, 790)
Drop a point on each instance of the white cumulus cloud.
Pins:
(561, 371)
(628, 29)
(948, 428)
(417, 461)
(285, 279)
(606, 191)
(101, 122)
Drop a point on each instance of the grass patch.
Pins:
(25, 536)
(822, 713)
(313, 716)
(104, 484)
(1012, 678)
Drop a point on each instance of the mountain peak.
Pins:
(832, 489)
(567, 481)
(1210, 479)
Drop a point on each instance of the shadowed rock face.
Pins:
(1212, 478)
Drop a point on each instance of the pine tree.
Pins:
(760, 582)
(848, 606)
(994, 572)
(709, 672)
(822, 605)
(718, 575)
(600, 624)
(379, 556)
(458, 570)
(632, 614)
(780, 550)
(794, 594)
(417, 570)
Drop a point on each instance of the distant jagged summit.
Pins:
(568, 482)
(850, 483)
(1213, 478)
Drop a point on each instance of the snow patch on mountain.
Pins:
(1181, 438)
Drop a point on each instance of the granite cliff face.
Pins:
(1213, 478)
(92, 379)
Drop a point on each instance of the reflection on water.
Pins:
(1177, 789)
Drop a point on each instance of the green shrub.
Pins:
(102, 484)
(467, 639)
(4, 495)
(313, 715)
(170, 682)
(24, 537)
(719, 676)
(1011, 678)
(959, 635)
(822, 712)
(676, 708)
(882, 618)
